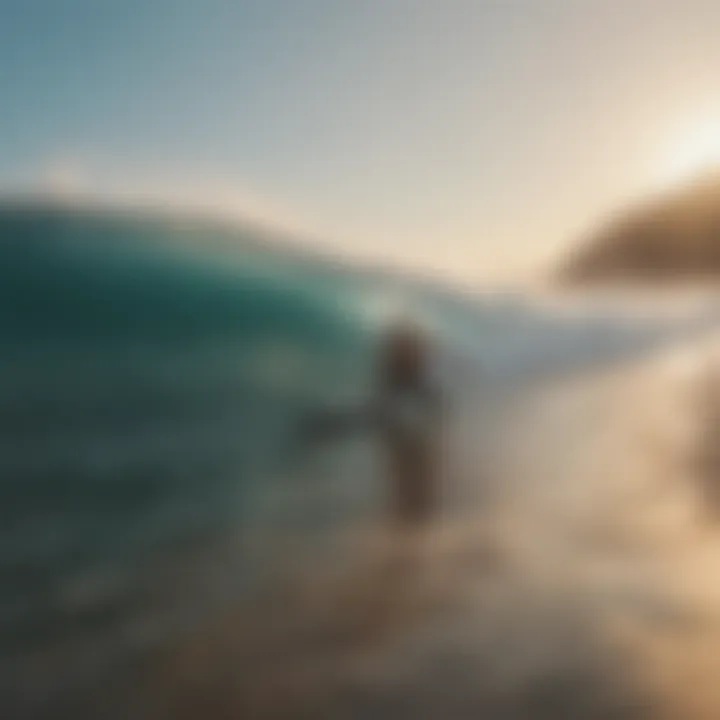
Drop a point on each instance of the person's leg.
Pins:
(413, 477)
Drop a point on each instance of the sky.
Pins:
(478, 138)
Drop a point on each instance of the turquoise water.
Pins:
(148, 395)
(152, 374)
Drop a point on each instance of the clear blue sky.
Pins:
(475, 136)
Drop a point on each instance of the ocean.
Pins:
(150, 383)
(153, 372)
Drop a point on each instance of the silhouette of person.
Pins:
(408, 418)
(405, 413)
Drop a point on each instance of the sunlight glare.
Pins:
(696, 153)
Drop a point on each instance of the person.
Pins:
(408, 406)
(405, 413)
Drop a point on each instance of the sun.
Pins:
(697, 152)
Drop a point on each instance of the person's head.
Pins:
(405, 353)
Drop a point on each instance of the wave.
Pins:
(152, 372)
